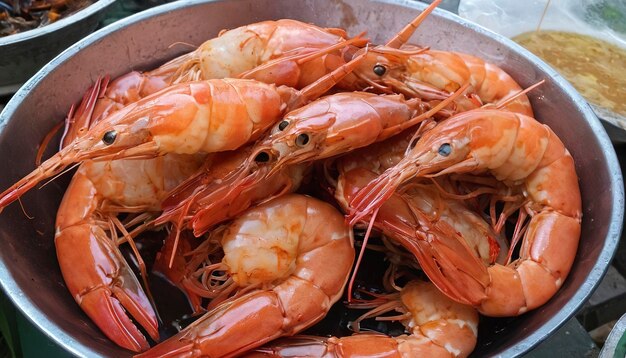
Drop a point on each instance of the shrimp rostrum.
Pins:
(532, 161)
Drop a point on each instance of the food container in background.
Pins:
(25, 53)
(584, 40)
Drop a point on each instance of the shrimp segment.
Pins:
(279, 254)
(437, 326)
(531, 160)
(93, 268)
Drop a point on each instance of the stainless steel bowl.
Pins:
(614, 123)
(25, 53)
(28, 269)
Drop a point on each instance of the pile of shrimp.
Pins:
(261, 155)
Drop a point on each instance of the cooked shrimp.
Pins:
(529, 158)
(356, 169)
(433, 75)
(278, 255)
(292, 53)
(93, 268)
(436, 326)
(199, 117)
(329, 126)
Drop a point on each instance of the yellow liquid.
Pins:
(597, 69)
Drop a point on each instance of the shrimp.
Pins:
(436, 326)
(278, 254)
(356, 169)
(533, 162)
(419, 214)
(432, 229)
(292, 53)
(198, 117)
(283, 52)
(433, 75)
(93, 268)
(329, 126)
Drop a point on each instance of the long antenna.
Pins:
(545, 10)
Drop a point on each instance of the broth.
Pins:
(597, 69)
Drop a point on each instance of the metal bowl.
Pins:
(24, 53)
(29, 271)
(614, 123)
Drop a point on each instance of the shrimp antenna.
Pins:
(300, 58)
(80, 119)
(506, 100)
(183, 43)
(358, 261)
(46, 140)
(403, 36)
(59, 174)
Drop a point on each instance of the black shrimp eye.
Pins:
(262, 157)
(302, 140)
(380, 70)
(445, 149)
(282, 125)
(109, 137)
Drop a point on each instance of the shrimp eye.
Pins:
(109, 137)
(445, 149)
(380, 70)
(282, 125)
(262, 157)
(302, 140)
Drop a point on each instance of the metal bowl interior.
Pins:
(24, 53)
(29, 272)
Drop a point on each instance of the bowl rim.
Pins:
(567, 311)
(78, 16)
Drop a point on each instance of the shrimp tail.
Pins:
(95, 272)
(104, 286)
